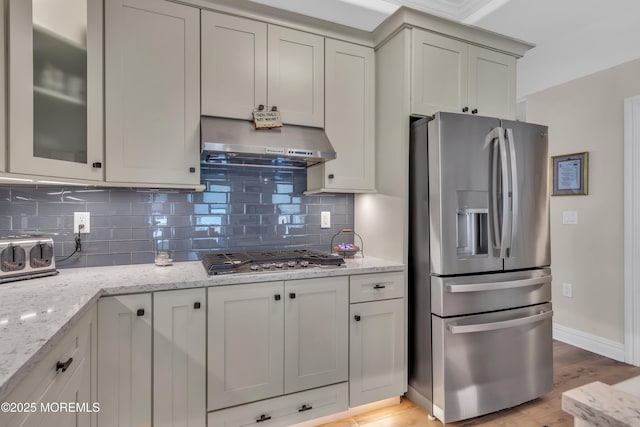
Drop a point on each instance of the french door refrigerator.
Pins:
(479, 256)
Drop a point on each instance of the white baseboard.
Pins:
(595, 344)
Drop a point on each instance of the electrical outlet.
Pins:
(567, 290)
(325, 219)
(81, 218)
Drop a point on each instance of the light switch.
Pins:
(570, 217)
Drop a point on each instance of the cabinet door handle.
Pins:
(331, 176)
(263, 417)
(474, 111)
(357, 317)
(305, 407)
(465, 109)
(276, 297)
(63, 366)
(140, 312)
(379, 286)
(192, 170)
(292, 295)
(196, 305)
(97, 165)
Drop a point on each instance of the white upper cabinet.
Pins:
(349, 120)
(450, 75)
(234, 65)
(492, 83)
(296, 75)
(152, 90)
(439, 72)
(246, 63)
(55, 90)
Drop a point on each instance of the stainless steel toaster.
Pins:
(26, 257)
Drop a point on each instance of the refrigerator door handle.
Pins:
(505, 235)
(483, 327)
(494, 219)
(514, 189)
(493, 286)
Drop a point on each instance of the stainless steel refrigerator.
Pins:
(479, 256)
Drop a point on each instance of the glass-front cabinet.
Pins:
(56, 88)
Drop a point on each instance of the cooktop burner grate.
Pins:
(269, 260)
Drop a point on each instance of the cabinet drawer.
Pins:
(285, 410)
(378, 286)
(47, 383)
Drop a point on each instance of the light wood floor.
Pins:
(573, 367)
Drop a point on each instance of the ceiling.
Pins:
(573, 38)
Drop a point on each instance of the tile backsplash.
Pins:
(240, 209)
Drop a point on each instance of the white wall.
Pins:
(586, 114)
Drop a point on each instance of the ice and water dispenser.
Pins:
(473, 223)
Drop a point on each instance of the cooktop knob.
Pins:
(279, 265)
(291, 263)
(304, 264)
(254, 267)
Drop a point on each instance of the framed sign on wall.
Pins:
(570, 174)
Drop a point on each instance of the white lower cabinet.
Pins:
(285, 410)
(178, 373)
(315, 333)
(377, 361)
(65, 375)
(179, 358)
(124, 363)
(269, 339)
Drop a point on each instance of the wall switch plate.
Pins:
(567, 290)
(84, 219)
(570, 217)
(325, 219)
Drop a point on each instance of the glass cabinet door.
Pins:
(55, 81)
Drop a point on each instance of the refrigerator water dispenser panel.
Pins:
(472, 223)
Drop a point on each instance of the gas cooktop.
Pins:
(268, 261)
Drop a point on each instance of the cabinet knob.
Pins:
(276, 297)
(305, 407)
(192, 170)
(474, 111)
(97, 165)
(292, 295)
(196, 305)
(63, 366)
(140, 312)
(357, 317)
(274, 108)
(465, 109)
(331, 176)
(261, 107)
(263, 417)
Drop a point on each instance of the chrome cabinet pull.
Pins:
(263, 417)
(305, 407)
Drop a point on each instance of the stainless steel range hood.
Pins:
(237, 142)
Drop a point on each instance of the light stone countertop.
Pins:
(602, 405)
(35, 314)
